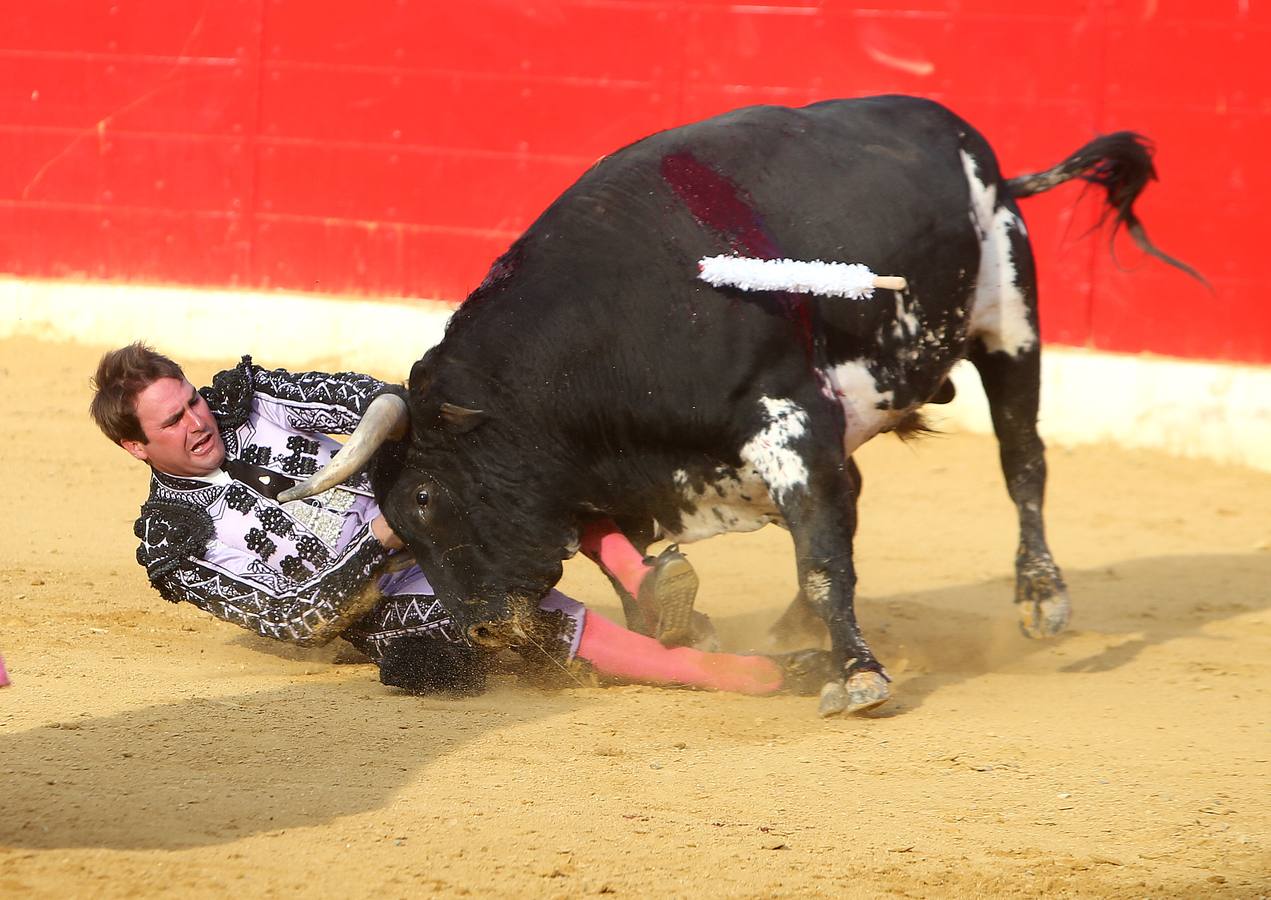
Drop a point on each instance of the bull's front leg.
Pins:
(801, 625)
(814, 486)
(821, 523)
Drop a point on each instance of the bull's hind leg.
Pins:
(1012, 383)
(801, 460)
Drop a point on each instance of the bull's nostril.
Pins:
(484, 635)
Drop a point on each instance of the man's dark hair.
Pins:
(121, 375)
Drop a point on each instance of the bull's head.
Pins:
(466, 513)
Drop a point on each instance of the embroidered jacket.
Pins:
(301, 571)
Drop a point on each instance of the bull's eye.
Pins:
(421, 498)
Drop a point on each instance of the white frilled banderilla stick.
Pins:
(827, 279)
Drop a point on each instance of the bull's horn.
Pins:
(385, 418)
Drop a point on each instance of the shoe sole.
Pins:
(674, 593)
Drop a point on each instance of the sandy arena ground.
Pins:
(147, 749)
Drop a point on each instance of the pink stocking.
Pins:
(624, 655)
(605, 545)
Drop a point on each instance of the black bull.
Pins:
(592, 374)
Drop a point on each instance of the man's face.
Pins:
(182, 437)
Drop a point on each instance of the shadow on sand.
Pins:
(158, 774)
(173, 776)
(945, 636)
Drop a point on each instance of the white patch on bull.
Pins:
(816, 588)
(906, 324)
(733, 500)
(865, 407)
(769, 452)
(999, 314)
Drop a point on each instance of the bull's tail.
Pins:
(1121, 163)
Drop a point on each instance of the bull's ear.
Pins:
(418, 383)
(461, 419)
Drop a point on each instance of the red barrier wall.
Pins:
(390, 147)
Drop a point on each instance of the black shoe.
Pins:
(671, 588)
(424, 665)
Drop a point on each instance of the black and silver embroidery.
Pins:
(294, 568)
(239, 498)
(312, 613)
(312, 551)
(275, 521)
(230, 395)
(303, 459)
(259, 541)
(343, 390)
(256, 455)
(399, 616)
(170, 533)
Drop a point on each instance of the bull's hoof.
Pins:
(833, 699)
(1044, 618)
(1041, 599)
(862, 691)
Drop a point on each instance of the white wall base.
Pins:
(381, 337)
(1214, 411)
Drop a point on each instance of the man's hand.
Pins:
(385, 535)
